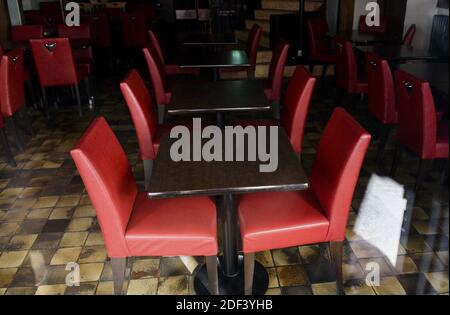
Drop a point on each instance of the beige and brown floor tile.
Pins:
(176, 285)
(389, 286)
(292, 275)
(143, 287)
(439, 281)
(10, 259)
(66, 255)
(56, 289)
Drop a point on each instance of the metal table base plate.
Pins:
(232, 285)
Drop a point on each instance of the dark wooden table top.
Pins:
(398, 53)
(209, 39)
(435, 73)
(218, 96)
(172, 179)
(364, 38)
(201, 58)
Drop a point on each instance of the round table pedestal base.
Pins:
(232, 285)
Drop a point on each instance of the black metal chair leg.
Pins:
(77, 92)
(384, 136)
(30, 89)
(118, 266)
(336, 257)
(148, 166)
(8, 152)
(16, 133)
(91, 100)
(213, 280)
(397, 158)
(45, 103)
(424, 166)
(249, 270)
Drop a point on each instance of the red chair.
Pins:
(418, 129)
(282, 219)
(318, 45)
(170, 69)
(272, 86)
(363, 27)
(82, 55)
(131, 223)
(295, 109)
(252, 51)
(381, 97)
(56, 67)
(162, 89)
(12, 94)
(145, 120)
(23, 33)
(409, 36)
(347, 78)
(5, 143)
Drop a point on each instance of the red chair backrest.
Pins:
(82, 31)
(381, 89)
(142, 112)
(276, 69)
(26, 32)
(336, 168)
(346, 69)
(253, 44)
(12, 95)
(54, 61)
(109, 182)
(134, 30)
(317, 30)
(296, 104)
(409, 36)
(382, 28)
(157, 74)
(154, 42)
(416, 115)
(99, 27)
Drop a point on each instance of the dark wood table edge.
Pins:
(227, 191)
(216, 110)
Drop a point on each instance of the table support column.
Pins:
(230, 257)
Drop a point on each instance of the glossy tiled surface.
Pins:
(47, 221)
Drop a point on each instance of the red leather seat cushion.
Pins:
(177, 70)
(280, 219)
(267, 89)
(362, 87)
(172, 227)
(442, 139)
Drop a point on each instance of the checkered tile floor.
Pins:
(47, 221)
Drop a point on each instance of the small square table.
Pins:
(205, 39)
(220, 97)
(398, 53)
(226, 180)
(201, 58)
(435, 73)
(364, 38)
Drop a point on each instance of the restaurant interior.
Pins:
(224, 147)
